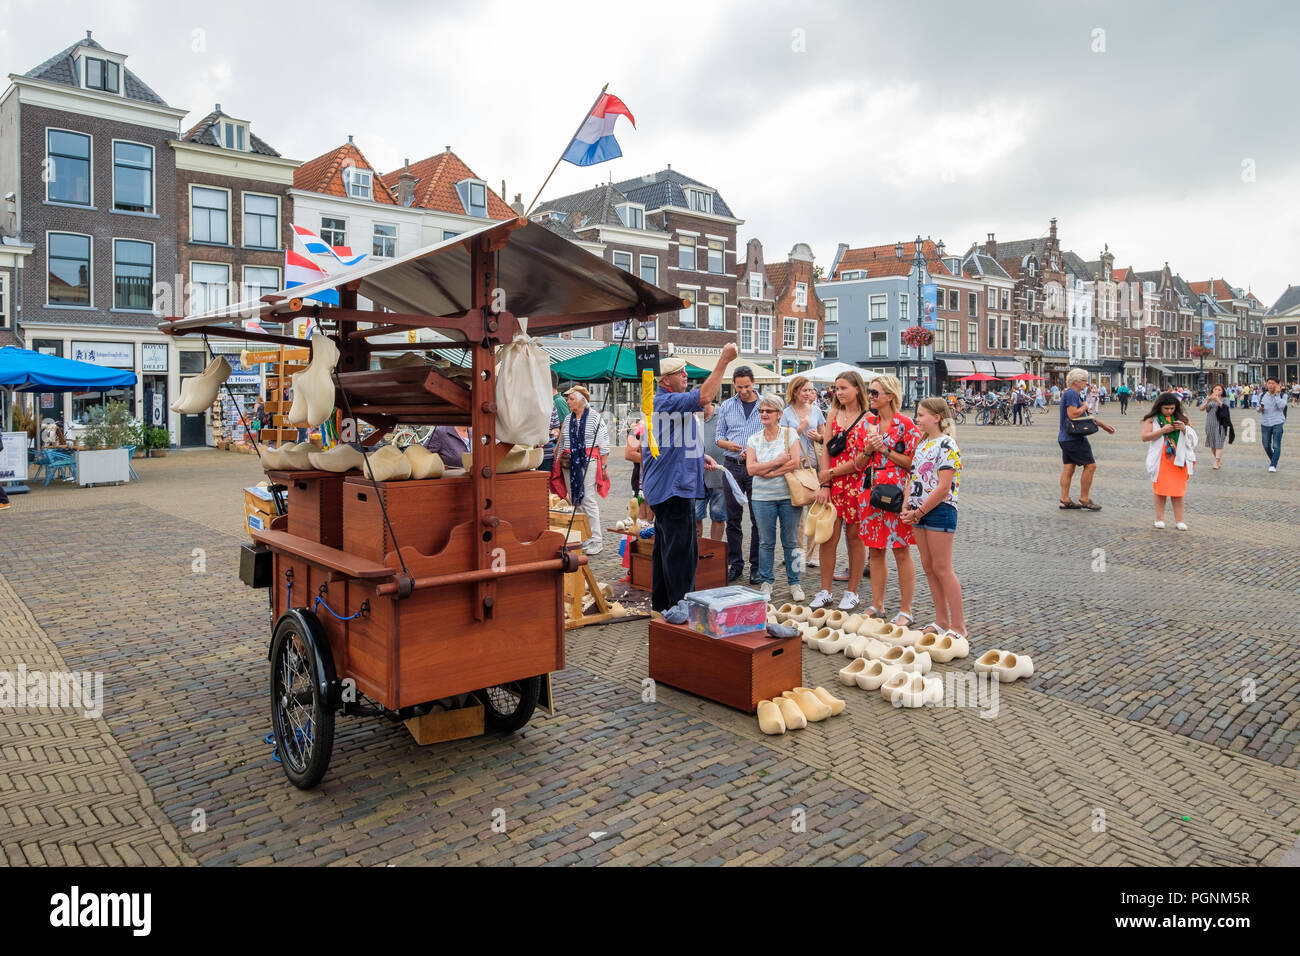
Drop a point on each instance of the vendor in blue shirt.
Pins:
(672, 481)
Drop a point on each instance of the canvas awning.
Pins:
(555, 283)
(1005, 369)
(26, 371)
(958, 367)
(599, 365)
(982, 365)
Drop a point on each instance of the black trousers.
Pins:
(735, 518)
(676, 552)
(1123, 404)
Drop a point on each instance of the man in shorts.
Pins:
(1077, 451)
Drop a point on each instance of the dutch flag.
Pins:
(299, 270)
(595, 142)
(317, 247)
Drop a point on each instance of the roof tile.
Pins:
(435, 188)
(324, 174)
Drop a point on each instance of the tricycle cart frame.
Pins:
(412, 592)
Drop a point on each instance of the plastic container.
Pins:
(726, 612)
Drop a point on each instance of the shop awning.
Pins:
(1160, 368)
(1183, 370)
(26, 371)
(599, 365)
(1005, 369)
(956, 368)
(984, 366)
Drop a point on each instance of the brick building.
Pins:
(1040, 321)
(1249, 314)
(1282, 337)
(233, 213)
(796, 310)
(85, 153)
(701, 260)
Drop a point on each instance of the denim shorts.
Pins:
(943, 517)
(715, 504)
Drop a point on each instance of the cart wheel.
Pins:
(302, 708)
(508, 707)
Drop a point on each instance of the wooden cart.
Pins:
(406, 593)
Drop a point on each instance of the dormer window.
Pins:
(103, 75)
(473, 196)
(801, 295)
(755, 286)
(699, 200)
(234, 135)
(854, 274)
(1032, 267)
(631, 215)
(359, 183)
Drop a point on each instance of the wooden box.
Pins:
(710, 571)
(422, 513)
(737, 671)
(443, 725)
(315, 502)
(258, 511)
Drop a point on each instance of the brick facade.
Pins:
(100, 222)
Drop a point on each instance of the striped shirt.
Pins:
(734, 426)
(594, 434)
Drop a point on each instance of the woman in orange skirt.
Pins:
(1171, 459)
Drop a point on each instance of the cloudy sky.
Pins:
(1166, 130)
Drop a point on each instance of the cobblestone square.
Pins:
(1160, 726)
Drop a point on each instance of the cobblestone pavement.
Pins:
(1164, 703)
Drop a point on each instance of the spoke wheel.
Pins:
(508, 707)
(982, 417)
(301, 715)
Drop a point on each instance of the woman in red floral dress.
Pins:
(891, 441)
(841, 485)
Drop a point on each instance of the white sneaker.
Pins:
(812, 562)
(1160, 525)
(1181, 526)
(796, 594)
(767, 589)
(821, 599)
(850, 601)
(1272, 467)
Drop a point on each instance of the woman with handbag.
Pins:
(840, 480)
(770, 455)
(931, 510)
(1218, 422)
(1076, 425)
(805, 416)
(583, 452)
(891, 442)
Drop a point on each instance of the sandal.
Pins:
(872, 612)
(910, 620)
(1067, 505)
(933, 628)
(1089, 505)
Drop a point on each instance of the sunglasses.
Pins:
(873, 393)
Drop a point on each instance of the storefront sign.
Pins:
(153, 357)
(929, 295)
(13, 459)
(108, 354)
(157, 416)
(242, 377)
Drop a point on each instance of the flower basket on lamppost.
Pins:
(916, 336)
(1201, 352)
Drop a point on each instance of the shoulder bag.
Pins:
(836, 444)
(1080, 427)
(802, 482)
(885, 497)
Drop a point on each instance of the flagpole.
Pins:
(566, 147)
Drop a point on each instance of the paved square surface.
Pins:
(1160, 726)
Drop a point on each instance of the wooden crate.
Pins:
(422, 513)
(315, 502)
(710, 571)
(443, 725)
(736, 671)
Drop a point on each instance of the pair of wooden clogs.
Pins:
(388, 463)
(900, 677)
(819, 522)
(1004, 665)
(797, 708)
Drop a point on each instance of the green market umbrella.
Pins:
(599, 366)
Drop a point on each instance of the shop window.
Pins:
(261, 221)
(686, 253)
(209, 215)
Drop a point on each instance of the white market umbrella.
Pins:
(823, 374)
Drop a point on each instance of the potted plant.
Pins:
(108, 431)
(135, 438)
(157, 440)
(916, 336)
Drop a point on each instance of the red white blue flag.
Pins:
(317, 247)
(595, 142)
(299, 270)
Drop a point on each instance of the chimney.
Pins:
(518, 204)
(1052, 232)
(406, 185)
(503, 189)
(87, 34)
(218, 107)
(991, 247)
(349, 139)
(447, 148)
(940, 249)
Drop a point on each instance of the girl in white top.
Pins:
(931, 509)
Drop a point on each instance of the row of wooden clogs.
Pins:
(796, 709)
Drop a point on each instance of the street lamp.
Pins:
(1200, 342)
(919, 263)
